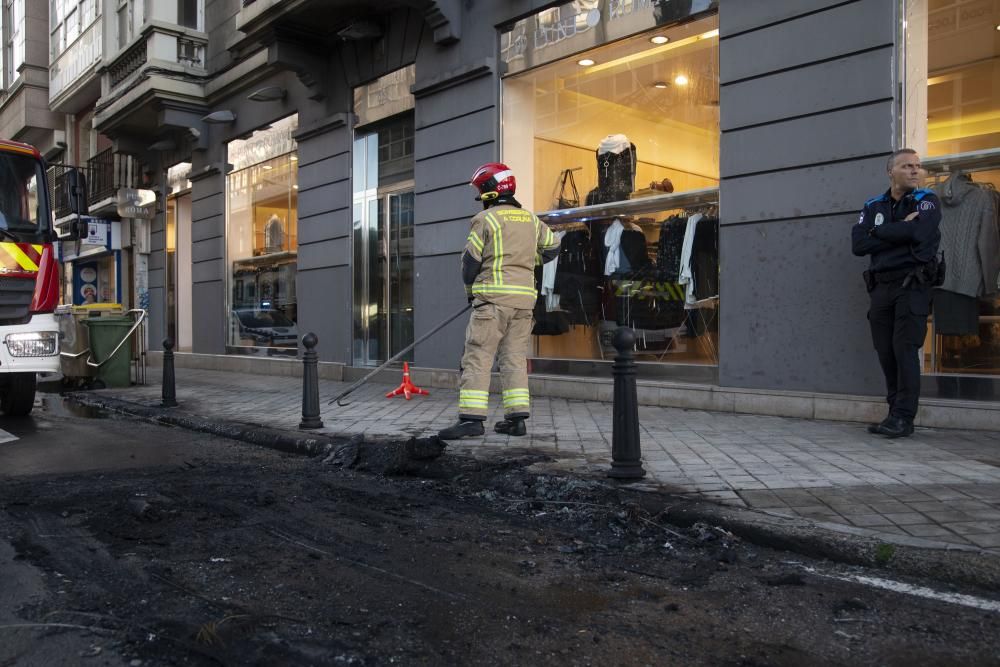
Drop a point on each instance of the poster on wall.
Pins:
(97, 234)
(94, 281)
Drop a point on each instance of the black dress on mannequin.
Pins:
(615, 170)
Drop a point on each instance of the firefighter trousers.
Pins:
(495, 331)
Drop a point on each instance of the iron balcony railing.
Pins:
(106, 172)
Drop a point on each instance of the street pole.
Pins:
(626, 453)
(169, 392)
(310, 384)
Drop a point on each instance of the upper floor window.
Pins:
(13, 17)
(68, 19)
(190, 14)
(130, 18)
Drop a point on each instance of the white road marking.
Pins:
(7, 437)
(918, 591)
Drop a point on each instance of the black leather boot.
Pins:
(511, 426)
(896, 427)
(874, 428)
(463, 429)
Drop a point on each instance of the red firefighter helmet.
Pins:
(492, 180)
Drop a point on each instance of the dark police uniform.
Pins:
(902, 253)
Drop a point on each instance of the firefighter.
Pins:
(498, 269)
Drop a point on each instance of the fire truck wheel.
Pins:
(18, 395)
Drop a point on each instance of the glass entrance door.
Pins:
(398, 222)
(382, 256)
(383, 275)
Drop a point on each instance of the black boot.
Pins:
(511, 426)
(874, 428)
(464, 428)
(896, 427)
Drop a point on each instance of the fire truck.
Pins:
(29, 278)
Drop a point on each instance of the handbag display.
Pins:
(567, 195)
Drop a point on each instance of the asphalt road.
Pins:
(125, 543)
(57, 439)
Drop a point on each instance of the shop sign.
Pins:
(386, 96)
(584, 24)
(97, 233)
(264, 145)
(135, 203)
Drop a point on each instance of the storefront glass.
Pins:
(262, 206)
(952, 117)
(178, 265)
(382, 239)
(616, 145)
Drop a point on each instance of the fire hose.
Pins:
(339, 397)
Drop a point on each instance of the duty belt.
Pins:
(893, 276)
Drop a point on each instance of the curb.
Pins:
(896, 554)
(931, 559)
(308, 445)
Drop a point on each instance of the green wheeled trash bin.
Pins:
(105, 335)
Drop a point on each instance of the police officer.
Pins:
(899, 230)
(498, 269)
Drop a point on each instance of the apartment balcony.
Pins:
(316, 21)
(163, 70)
(106, 173)
(74, 79)
(256, 14)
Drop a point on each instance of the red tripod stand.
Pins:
(407, 389)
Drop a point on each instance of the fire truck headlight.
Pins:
(33, 344)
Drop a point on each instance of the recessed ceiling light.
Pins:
(659, 39)
(681, 80)
(585, 62)
(998, 26)
(660, 84)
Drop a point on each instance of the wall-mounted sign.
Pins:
(135, 203)
(97, 233)
(270, 142)
(386, 96)
(569, 28)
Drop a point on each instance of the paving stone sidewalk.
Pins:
(941, 485)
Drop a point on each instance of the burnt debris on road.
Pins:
(240, 555)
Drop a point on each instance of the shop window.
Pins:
(952, 117)
(616, 147)
(262, 195)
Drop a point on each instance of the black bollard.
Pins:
(310, 384)
(169, 393)
(626, 453)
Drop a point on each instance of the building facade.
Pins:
(703, 159)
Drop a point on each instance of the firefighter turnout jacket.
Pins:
(503, 247)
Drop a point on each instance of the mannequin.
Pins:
(615, 170)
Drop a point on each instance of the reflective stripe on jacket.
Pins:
(509, 242)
